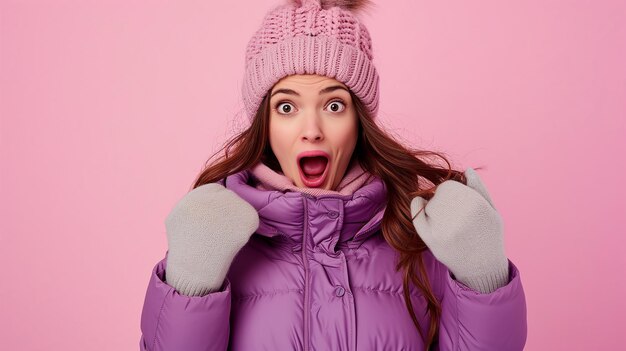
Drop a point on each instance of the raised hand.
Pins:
(205, 230)
(463, 230)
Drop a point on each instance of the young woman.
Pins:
(317, 231)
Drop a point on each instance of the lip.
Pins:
(320, 180)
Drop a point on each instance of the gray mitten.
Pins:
(205, 230)
(463, 230)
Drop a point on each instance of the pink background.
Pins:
(109, 109)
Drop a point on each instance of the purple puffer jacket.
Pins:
(318, 275)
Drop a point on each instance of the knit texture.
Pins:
(305, 38)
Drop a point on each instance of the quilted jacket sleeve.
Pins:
(474, 321)
(171, 321)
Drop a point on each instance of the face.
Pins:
(312, 115)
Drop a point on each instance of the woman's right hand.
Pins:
(205, 230)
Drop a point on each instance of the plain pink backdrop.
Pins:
(109, 110)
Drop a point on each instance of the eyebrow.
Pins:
(323, 91)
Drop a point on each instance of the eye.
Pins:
(337, 106)
(284, 108)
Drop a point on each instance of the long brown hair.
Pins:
(406, 173)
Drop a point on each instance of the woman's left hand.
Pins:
(463, 230)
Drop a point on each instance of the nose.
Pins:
(312, 129)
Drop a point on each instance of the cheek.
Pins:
(279, 140)
(345, 137)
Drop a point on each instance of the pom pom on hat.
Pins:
(352, 5)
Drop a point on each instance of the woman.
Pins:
(319, 231)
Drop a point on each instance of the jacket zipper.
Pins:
(306, 277)
(306, 272)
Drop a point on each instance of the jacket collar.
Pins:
(352, 213)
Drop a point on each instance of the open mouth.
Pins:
(313, 170)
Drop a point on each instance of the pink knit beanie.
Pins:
(311, 37)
